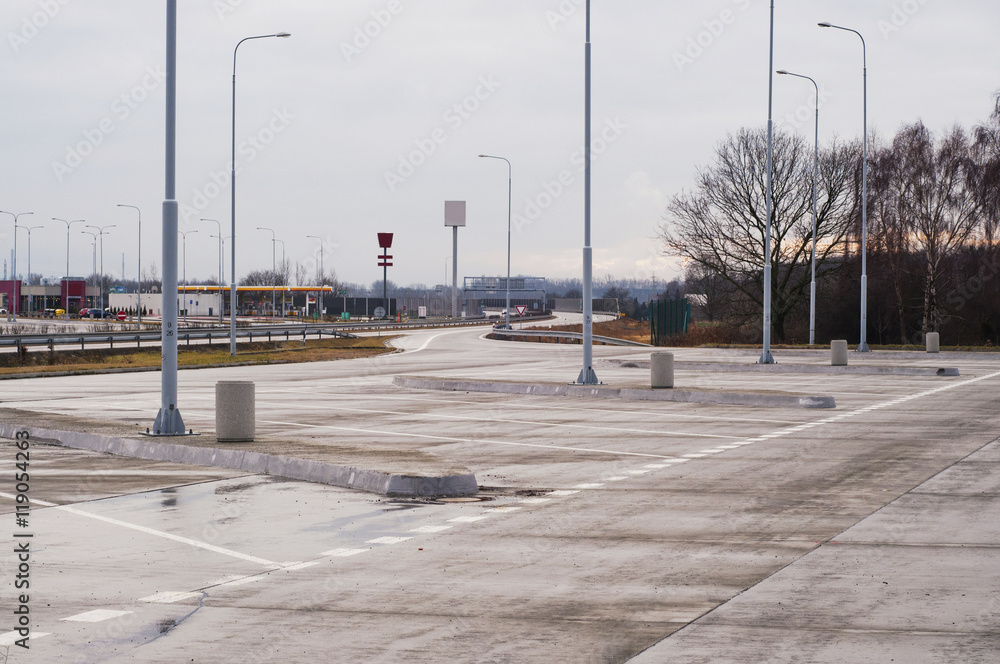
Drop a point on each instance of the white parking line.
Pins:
(98, 615)
(387, 540)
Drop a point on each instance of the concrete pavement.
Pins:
(603, 530)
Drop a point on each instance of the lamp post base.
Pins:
(766, 358)
(863, 348)
(587, 377)
(169, 423)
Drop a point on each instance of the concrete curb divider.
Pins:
(363, 479)
(633, 394)
(867, 370)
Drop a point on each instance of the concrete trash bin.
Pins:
(933, 340)
(661, 370)
(235, 411)
(838, 353)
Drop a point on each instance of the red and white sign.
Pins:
(520, 309)
(122, 315)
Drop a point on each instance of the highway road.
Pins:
(605, 531)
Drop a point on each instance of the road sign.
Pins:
(379, 312)
(122, 315)
(520, 308)
(385, 240)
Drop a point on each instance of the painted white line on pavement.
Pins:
(10, 638)
(467, 519)
(430, 529)
(343, 553)
(168, 597)
(98, 615)
(387, 540)
(172, 537)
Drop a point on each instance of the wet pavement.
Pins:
(679, 531)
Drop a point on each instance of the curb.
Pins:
(866, 370)
(631, 394)
(320, 472)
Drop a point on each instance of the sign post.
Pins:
(454, 216)
(385, 242)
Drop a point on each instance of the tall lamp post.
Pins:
(766, 357)
(509, 184)
(93, 269)
(221, 301)
(184, 269)
(13, 310)
(68, 224)
(812, 285)
(322, 276)
(101, 232)
(232, 184)
(283, 284)
(274, 271)
(138, 274)
(587, 375)
(863, 346)
(31, 299)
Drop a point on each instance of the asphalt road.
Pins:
(606, 531)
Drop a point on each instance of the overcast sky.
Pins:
(373, 113)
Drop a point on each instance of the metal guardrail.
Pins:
(611, 341)
(252, 333)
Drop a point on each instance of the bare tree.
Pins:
(720, 226)
(939, 197)
(986, 152)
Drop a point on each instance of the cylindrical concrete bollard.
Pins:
(235, 411)
(661, 370)
(933, 340)
(838, 353)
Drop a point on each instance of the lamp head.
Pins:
(283, 34)
(782, 72)
(824, 24)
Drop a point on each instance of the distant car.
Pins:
(3, 310)
(83, 313)
(60, 312)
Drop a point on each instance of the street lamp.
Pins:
(31, 299)
(274, 270)
(93, 269)
(812, 285)
(509, 184)
(138, 275)
(232, 184)
(322, 276)
(766, 357)
(221, 301)
(184, 272)
(17, 298)
(587, 375)
(283, 284)
(863, 346)
(68, 224)
(100, 277)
